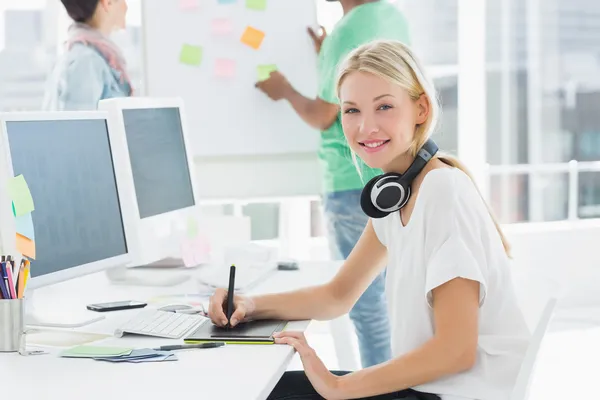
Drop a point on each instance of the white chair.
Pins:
(523, 383)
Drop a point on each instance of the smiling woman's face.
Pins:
(378, 118)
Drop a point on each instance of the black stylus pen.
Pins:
(230, 295)
(210, 345)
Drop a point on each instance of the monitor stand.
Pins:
(152, 275)
(33, 316)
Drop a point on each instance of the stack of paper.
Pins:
(118, 354)
(141, 355)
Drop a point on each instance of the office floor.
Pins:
(569, 359)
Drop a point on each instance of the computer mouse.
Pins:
(287, 266)
(175, 307)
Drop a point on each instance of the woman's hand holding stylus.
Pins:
(243, 307)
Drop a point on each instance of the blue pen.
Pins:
(4, 283)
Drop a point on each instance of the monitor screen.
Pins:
(159, 162)
(68, 167)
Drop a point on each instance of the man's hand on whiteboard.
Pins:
(276, 86)
(317, 38)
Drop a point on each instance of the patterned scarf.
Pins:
(83, 33)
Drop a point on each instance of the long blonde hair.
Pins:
(395, 62)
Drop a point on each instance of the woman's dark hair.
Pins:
(80, 10)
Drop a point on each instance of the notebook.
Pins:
(252, 332)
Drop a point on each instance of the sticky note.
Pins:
(221, 26)
(190, 55)
(192, 227)
(20, 196)
(265, 70)
(95, 351)
(188, 4)
(195, 251)
(260, 5)
(25, 246)
(253, 37)
(224, 68)
(226, 1)
(24, 225)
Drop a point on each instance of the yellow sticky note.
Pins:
(259, 5)
(190, 55)
(253, 37)
(25, 246)
(224, 68)
(20, 196)
(264, 71)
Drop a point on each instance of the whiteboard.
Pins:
(227, 115)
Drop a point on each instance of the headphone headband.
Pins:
(425, 154)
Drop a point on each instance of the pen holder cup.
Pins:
(12, 324)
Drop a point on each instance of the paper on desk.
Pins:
(95, 351)
(141, 355)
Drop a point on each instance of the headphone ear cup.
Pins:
(365, 200)
(407, 197)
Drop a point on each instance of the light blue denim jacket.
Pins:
(80, 79)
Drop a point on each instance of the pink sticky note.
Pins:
(221, 26)
(188, 4)
(195, 251)
(224, 68)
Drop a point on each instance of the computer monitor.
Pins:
(81, 222)
(153, 157)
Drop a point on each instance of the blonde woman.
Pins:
(457, 331)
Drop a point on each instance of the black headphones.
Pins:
(387, 193)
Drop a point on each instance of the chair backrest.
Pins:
(522, 385)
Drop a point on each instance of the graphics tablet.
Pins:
(252, 332)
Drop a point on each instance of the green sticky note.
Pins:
(95, 351)
(260, 5)
(190, 55)
(192, 228)
(20, 196)
(265, 70)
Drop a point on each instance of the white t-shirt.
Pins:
(450, 234)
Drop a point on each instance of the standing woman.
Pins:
(93, 67)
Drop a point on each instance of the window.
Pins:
(26, 52)
(543, 93)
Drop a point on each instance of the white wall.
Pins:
(563, 253)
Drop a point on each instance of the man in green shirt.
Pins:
(363, 22)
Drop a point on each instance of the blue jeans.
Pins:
(345, 224)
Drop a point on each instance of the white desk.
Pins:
(231, 372)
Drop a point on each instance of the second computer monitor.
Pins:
(155, 159)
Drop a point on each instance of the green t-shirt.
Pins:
(365, 23)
